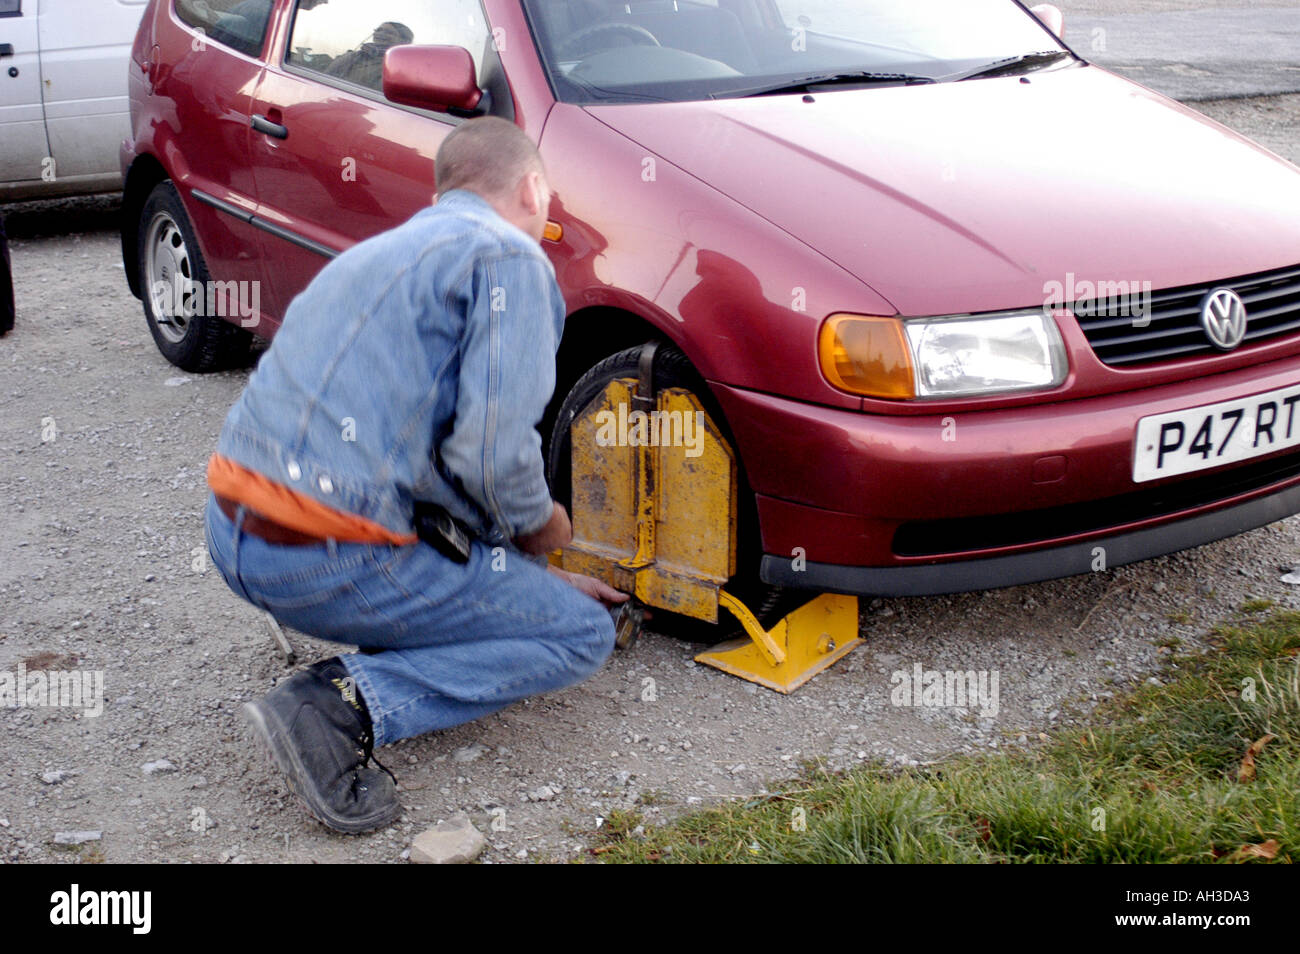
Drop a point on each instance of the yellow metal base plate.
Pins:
(801, 645)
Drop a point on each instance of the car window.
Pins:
(240, 24)
(11, 8)
(678, 50)
(347, 39)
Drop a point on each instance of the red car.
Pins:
(973, 311)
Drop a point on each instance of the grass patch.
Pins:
(1180, 772)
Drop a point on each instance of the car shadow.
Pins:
(39, 218)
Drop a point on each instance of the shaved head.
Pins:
(488, 155)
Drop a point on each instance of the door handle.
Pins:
(275, 130)
(6, 49)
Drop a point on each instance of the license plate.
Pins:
(1199, 438)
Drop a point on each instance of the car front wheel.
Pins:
(672, 369)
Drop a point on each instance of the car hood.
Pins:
(974, 196)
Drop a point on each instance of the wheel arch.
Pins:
(596, 333)
(592, 334)
(145, 173)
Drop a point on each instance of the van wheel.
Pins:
(672, 369)
(173, 287)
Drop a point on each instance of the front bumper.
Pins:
(1034, 566)
(958, 500)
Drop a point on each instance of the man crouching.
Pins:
(380, 484)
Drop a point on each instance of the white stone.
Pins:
(452, 842)
(76, 837)
(469, 753)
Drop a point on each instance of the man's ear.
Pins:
(530, 193)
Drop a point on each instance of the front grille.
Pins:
(967, 534)
(1174, 329)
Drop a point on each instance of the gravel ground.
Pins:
(1108, 8)
(102, 568)
(1192, 51)
(1100, 8)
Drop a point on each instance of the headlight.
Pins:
(942, 357)
(986, 355)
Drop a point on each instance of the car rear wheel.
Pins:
(174, 285)
(672, 369)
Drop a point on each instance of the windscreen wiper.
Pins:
(802, 84)
(601, 93)
(1012, 64)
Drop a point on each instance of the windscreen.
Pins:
(674, 50)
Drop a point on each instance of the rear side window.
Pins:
(240, 24)
(347, 39)
(11, 8)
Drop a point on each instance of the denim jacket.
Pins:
(415, 366)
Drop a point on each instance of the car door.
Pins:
(23, 146)
(205, 72)
(335, 162)
(85, 49)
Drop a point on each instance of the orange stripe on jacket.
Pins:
(291, 509)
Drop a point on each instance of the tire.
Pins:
(172, 273)
(672, 369)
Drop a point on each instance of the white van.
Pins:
(63, 107)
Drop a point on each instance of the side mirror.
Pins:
(440, 78)
(1051, 16)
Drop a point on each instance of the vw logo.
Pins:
(1223, 316)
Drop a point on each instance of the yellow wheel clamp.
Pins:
(655, 516)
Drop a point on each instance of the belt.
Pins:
(265, 529)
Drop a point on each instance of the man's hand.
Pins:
(555, 534)
(596, 589)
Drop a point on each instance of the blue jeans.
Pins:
(445, 642)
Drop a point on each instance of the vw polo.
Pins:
(970, 310)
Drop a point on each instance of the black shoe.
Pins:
(318, 731)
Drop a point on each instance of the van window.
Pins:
(11, 8)
(347, 39)
(240, 24)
